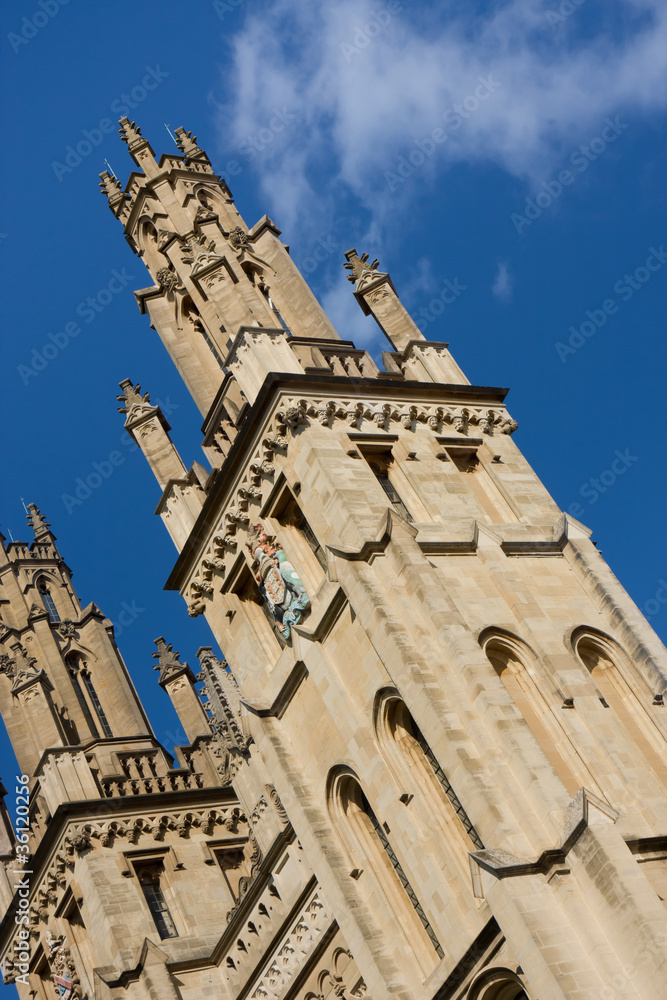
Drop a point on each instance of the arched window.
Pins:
(510, 659)
(603, 658)
(380, 464)
(376, 862)
(395, 725)
(87, 697)
(497, 984)
(192, 317)
(47, 601)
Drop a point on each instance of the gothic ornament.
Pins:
(168, 662)
(65, 979)
(278, 581)
(359, 266)
(132, 396)
(238, 238)
(7, 665)
(67, 628)
(167, 279)
(205, 214)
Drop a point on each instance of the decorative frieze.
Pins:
(292, 953)
(298, 413)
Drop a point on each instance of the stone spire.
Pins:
(150, 429)
(360, 267)
(111, 187)
(168, 661)
(224, 701)
(187, 143)
(375, 293)
(132, 396)
(139, 148)
(178, 680)
(39, 524)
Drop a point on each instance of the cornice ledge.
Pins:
(390, 522)
(568, 529)
(283, 697)
(584, 810)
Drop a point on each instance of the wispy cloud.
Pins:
(361, 108)
(502, 284)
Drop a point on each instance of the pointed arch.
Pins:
(188, 314)
(387, 886)
(414, 765)
(87, 696)
(618, 683)
(515, 663)
(44, 590)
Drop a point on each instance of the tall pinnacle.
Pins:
(38, 523)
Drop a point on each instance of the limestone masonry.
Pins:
(433, 765)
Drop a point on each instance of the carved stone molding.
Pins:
(293, 951)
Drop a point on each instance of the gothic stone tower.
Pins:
(458, 704)
(444, 733)
(134, 863)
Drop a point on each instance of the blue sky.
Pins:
(514, 150)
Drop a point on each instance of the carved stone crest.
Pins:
(277, 579)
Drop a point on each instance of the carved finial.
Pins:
(130, 132)
(37, 521)
(110, 186)
(168, 662)
(187, 143)
(132, 396)
(359, 266)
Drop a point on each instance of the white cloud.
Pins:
(502, 284)
(361, 103)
